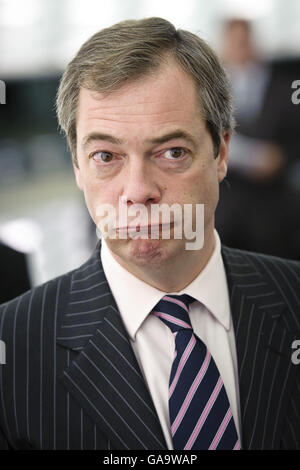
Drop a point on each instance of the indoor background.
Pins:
(42, 213)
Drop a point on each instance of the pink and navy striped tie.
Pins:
(200, 414)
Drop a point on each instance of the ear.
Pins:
(222, 158)
(78, 176)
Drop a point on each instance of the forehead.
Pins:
(166, 96)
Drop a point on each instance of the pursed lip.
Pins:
(145, 227)
(149, 230)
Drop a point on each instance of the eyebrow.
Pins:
(94, 136)
(177, 134)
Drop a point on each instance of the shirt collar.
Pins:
(209, 288)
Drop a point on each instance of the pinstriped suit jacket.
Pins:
(71, 379)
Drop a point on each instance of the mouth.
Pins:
(142, 229)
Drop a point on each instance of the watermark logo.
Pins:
(296, 354)
(159, 221)
(2, 92)
(2, 352)
(296, 93)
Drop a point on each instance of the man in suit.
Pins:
(100, 357)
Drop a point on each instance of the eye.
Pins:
(175, 153)
(102, 157)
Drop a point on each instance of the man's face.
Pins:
(148, 143)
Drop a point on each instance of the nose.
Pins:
(139, 185)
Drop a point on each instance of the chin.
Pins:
(143, 253)
(146, 251)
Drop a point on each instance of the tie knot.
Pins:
(173, 310)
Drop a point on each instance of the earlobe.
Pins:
(223, 156)
(222, 170)
(78, 177)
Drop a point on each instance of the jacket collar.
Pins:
(89, 299)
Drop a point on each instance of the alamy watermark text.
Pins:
(2, 92)
(2, 352)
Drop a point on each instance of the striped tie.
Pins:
(200, 414)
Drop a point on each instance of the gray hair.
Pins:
(131, 49)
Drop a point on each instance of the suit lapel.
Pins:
(263, 343)
(105, 377)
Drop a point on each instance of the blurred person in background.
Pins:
(150, 345)
(14, 273)
(257, 212)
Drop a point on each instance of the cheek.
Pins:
(98, 197)
(96, 194)
(203, 188)
(201, 184)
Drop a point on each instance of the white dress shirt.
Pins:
(152, 340)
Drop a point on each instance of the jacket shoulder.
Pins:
(36, 303)
(265, 275)
(43, 304)
(267, 262)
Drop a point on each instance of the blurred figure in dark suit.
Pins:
(258, 211)
(14, 276)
